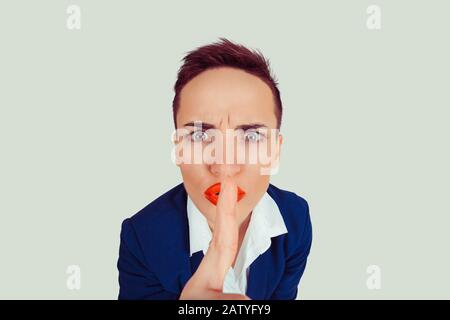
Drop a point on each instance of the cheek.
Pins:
(260, 187)
(195, 179)
(193, 173)
(253, 175)
(256, 183)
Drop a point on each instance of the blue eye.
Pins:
(199, 136)
(253, 136)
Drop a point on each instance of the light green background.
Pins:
(85, 123)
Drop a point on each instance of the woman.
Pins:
(225, 232)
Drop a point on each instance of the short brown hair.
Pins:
(225, 53)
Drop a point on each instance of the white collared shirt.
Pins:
(266, 222)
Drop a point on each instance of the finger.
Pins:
(225, 233)
(227, 197)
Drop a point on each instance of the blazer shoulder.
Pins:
(159, 227)
(164, 208)
(295, 212)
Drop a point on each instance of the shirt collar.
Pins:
(266, 222)
(199, 233)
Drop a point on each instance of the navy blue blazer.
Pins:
(154, 257)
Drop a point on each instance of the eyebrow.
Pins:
(199, 124)
(206, 126)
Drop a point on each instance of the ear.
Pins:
(280, 142)
(275, 158)
(176, 140)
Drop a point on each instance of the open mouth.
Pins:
(213, 192)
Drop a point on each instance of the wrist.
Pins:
(214, 269)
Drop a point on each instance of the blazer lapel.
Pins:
(257, 278)
(169, 244)
(195, 260)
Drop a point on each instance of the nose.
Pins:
(224, 170)
(223, 167)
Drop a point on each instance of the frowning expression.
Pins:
(227, 100)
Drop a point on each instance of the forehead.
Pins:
(226, 93)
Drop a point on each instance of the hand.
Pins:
(207, 281)
(224, 244)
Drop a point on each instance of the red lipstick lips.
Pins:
(212, 193)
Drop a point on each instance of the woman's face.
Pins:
(227, 100)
